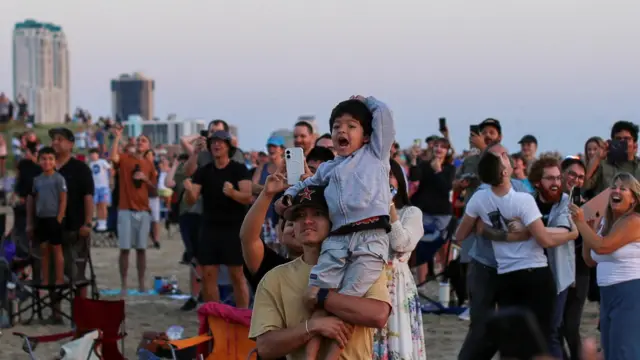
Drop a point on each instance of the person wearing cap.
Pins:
(196, 145)
(528, 149)
(280, 324)
(79, 212)
(136, 177)
(275, 148)
(225, 186)
(354, 255)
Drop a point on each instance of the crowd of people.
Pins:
(328, 257)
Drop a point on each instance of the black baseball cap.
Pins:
(308, 197)
(491, 122)
(62, 131)
(431, 138)
(528, 139)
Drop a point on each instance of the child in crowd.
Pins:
(101, 170)
(50, 199)
(357, 192)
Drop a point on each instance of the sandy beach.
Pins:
(444, 334)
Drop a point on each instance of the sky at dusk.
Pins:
(561, 70)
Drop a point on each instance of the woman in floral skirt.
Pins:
(403, 338)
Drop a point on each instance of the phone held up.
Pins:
(442, 124)
(204, 133)
(294, 160)
(617, 151)
(576, 196)
(475, 129)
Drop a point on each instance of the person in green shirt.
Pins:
(602, 169)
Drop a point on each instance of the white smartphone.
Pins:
(294, 160)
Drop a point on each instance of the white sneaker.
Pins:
(466, 315)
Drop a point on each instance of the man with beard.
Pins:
(553, 203)
(303, 136)
(573, 174)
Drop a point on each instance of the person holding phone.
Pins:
(435, 179)
(620, 157)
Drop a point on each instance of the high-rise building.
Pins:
(41, 70)
(132, 95)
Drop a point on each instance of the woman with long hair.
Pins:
(433, 196)
(595, 150)
(615, 249)
(403, 337)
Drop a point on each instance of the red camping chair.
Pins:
(88, 315)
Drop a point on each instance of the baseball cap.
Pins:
(528, 139)
(222, 135)
(62, 131)
(275, 140)
(308, 197)
(491, 122)
(432, 138)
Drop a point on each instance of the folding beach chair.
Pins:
(52, 296)
(88, 315)
(229, 327)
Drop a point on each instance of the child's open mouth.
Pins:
(343, 142)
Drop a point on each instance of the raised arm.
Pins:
(406, 231)
(186, 141)
(169, 179)
(320, 178)
(115, 145)
(252, 245)
(384, 131)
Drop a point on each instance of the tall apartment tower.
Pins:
(41, 70)
(132, 95)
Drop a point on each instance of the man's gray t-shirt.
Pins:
(47, 189)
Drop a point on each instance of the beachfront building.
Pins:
(132, 95)
(166, 132)
(41, 70)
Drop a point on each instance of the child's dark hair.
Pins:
(358, 110)
(490, 169)
(94, 151)
(46, 150)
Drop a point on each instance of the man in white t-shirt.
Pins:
(101, 170)
(515, 224)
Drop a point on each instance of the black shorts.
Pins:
(219, 244)
(48, 230)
